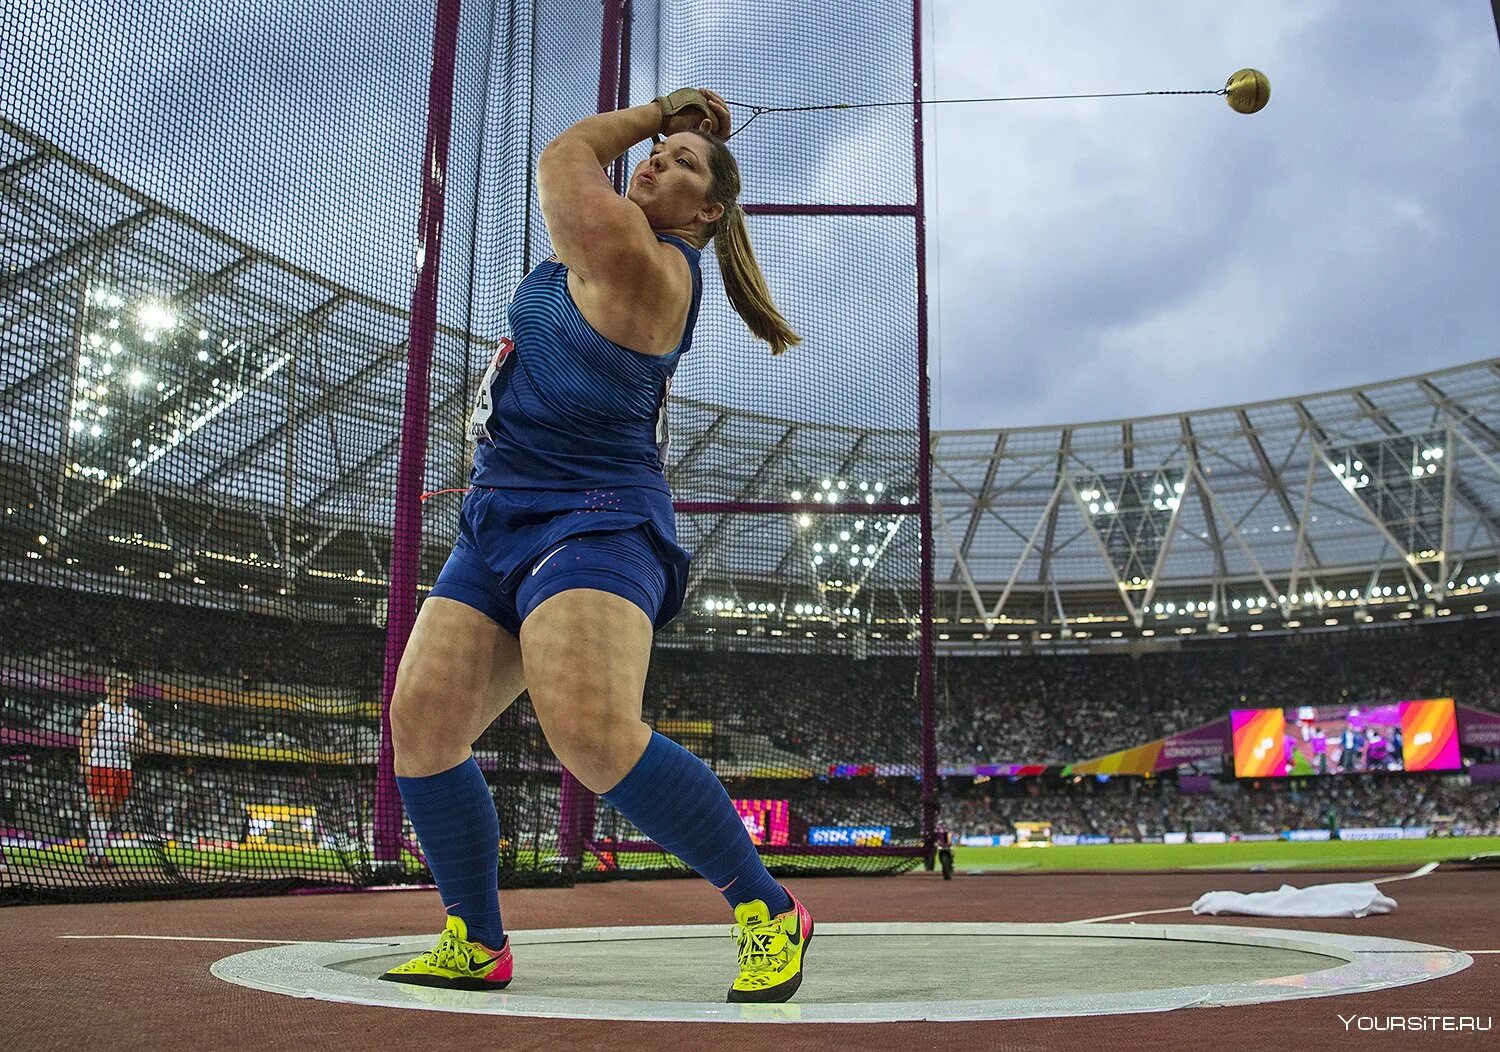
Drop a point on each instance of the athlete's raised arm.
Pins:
(605, 238)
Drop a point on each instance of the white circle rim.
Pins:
(1370, 964)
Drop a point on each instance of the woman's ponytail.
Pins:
(743, 280)
(746, 285)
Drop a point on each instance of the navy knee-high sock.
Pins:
(675, 799)
(454, 816)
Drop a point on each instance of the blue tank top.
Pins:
(571, 428)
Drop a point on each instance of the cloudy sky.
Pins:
(1089, 259)
(1122, 257)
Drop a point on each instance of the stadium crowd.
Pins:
(785, 709)
(773, 724)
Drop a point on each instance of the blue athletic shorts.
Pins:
(624, 563)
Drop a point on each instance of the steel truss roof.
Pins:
(1388, 486)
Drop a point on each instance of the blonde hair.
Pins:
(743, 281)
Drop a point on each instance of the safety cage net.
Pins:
(255, 262)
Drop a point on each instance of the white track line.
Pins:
(1138, 913)
(209, 938)
(1421, 872)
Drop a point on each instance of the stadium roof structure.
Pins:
(1289, 507)
(278, 394)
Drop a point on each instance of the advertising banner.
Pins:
(986, 840)
(1477, 728)
(1308, 834)
(847, 836)
(1372, 833)
(767, 821)
(1201, 746)
(1416, 735)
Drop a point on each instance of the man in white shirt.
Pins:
(113, 732)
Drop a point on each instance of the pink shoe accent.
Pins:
(504, 967)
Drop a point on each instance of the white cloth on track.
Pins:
(1320, 900)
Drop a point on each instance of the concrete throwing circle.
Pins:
(872, 973)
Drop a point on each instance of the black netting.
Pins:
(211, 292)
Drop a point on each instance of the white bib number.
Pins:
(484, 404)
(663, 438)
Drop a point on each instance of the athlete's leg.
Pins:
(586, 652)
(460, 670)
(103, 806)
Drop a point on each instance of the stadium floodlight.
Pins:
(155, 317)
(796, 494)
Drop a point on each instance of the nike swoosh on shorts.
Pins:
(543, 561)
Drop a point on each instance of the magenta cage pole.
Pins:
(925, 687)
(406, 538)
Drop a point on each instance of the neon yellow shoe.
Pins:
(772, 950)
(455, 963)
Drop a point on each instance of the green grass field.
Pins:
(1270, 855)
(1278, 854)
(245, 860)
